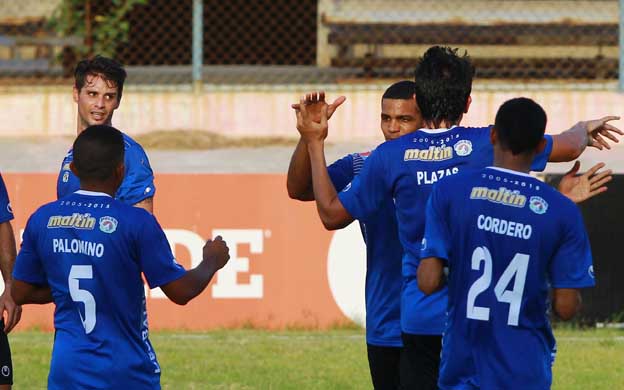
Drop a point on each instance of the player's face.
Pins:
(399, 117)
(97, 100)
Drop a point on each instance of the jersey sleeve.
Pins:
(541, 159)
(154, 252)
(138, 183)
(341, 172)
(363, 197)
(6, 212)
(436, 240)
(571, 266)
(28, 265)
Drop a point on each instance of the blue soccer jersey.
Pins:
(404, 170)
(91, 250)
(138, 182)
(6, 212)
(383, 260)
(507, 238)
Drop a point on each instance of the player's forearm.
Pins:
(25, 293)
(566, 302)
(7, 251)
(299, 179)
(191, 284)
(430, 272)
(569, 144)
(330, 209)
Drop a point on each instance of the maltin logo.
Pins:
(108, 224)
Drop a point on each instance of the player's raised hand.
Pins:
(582, 187)
(309, 129)
(599, 129)
(314, 101)
(217, 252)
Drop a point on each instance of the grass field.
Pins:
(256, 359)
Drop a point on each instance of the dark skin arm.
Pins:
(569, 144)
(146, 204)
(430, 274)
(566, 302)
(7, 260)
(299, 179)
(182, 290)
(330, 209)
(24, 293)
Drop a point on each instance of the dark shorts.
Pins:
(420, 361)
(384, 366)
(6, 366)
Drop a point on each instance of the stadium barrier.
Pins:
(285, 269)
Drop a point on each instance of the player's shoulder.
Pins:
(131, 145)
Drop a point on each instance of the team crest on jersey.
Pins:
(74, 221)
(65, 177)
(108, 224)
(434, 153)
(463, 148)
(538, 205)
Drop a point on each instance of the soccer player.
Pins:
(86, 253)
(7, 304)
(507, 240)
(98, 86)
(405, 169)
(399, 116)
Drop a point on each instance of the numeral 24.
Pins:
(517, 267)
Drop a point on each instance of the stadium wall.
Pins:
(51, 111)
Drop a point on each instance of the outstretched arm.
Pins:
(182, 290)
(569, 144)
(299, 179)
(330, 209)
(582, 187)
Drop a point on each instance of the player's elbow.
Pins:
(180, 300)
(566, 311)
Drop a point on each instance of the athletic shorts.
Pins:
(6, 365)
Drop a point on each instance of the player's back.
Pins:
(93, 250)
(511, 237)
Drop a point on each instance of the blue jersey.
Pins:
(507, 238)
(138, 182)
(91, 250)
(6, 212)
(404, 170)
(383, 260)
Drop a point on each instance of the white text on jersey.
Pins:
(64, 245)
(504, 227)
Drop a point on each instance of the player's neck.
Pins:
(443, 124)
(518, 163)
(107, 188)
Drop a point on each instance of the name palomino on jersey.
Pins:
(501, 195)
(434, 153)
(74, 221)
(75, 246)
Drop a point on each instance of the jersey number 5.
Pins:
(517, 267)
(76, 273)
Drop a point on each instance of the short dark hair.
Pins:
(97, 152)
(443, 84)
(107, 68)
(403, 90)
(520, 124)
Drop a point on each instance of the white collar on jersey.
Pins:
(510, 171)
(436, 131)
(91, 193)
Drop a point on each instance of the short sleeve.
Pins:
(572, 266)
(155, 257)
(363, 197)
(436, 240)
(138, 183)
(6, 212)
(341, 172)
(28, 265)
(541, 159)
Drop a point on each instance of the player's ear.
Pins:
(73, 168)
(542, 145)
(76, 92)
(468, 101)
(119, 172)
(493, 135)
